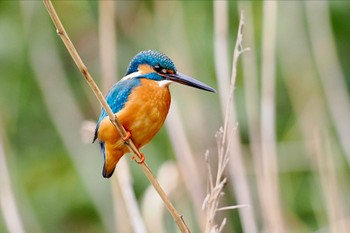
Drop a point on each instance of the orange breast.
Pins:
(143, 115)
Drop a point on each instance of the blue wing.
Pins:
(116, 98)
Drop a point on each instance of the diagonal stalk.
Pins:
(129, 143)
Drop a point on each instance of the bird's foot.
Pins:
(142, 159)
(127, 136)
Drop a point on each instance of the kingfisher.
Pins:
(141, 101)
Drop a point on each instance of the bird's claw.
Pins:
(142, 159)
(127, 136)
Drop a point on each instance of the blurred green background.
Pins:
(54, 171)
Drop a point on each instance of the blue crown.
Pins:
(152, 58)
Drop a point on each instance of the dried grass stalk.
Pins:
(224, 139)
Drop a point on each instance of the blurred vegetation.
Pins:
(56, 178)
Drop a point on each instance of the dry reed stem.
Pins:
(237, 169)
(83, 69)
(120, 202)
(221, 49)
(8, 204)
(124, 184)
(269, 188)
(107, 43)
(236, 53)
(216, 184)
(225, 139)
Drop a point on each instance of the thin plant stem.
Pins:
(225, 138)
(237, 169)
(8, 205)
(232, 207)
(107, 43)
(236, 53)
(129, 143)
(269, 193)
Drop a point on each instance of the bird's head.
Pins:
(158, 67)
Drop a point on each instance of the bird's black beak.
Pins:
(186, 80)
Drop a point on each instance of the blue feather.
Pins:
(102, 146)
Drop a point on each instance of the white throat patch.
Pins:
(164, 83)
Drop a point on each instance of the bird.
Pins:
(141, 101)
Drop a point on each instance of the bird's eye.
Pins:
(160, 69)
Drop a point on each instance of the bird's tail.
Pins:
(111, 158)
